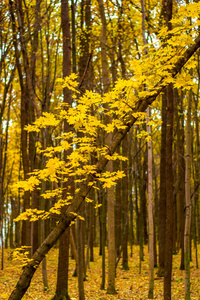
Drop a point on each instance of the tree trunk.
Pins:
(68, 185)
(169, 196)
(80, 252)
(103, 239)
(92, 226)
(118, 210)
(111, 235)
(181, 184)
(188, 201)
(125, 206)
(111, 190)
(162, 202)
(155, 214)
(150, 215)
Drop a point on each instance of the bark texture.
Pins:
(68, 185)
(187, 233)
(162, 202)
(150, 215)
(169, 197)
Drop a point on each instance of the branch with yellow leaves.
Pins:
(70, 215)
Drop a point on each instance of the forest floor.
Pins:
(129, 284)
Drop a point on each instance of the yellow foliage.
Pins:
(87, 115)
(32, 215)
(21, 255)
(109, 179)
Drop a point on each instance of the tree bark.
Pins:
(169, 196)
(68, 185)
(118, 210)
(167, 13)
(150, 215)
(162, 202)
(187, 233)
(111, 190)
(181, 174)
(125, 206)
(80, 252)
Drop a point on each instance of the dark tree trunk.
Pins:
(169, 196)
(92, 227)
(162, 202)
(68, 185)
(118, 209)
(144, 198)
(103, 238)
(167, 12)
(80, 252)
(181, 183)
(125, 206)
(63, 264)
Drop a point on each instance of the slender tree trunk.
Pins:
(197, 163)
(111, 235)
(80, 252)
(198, 147)
(181, 184)
(141, 216)
(131, 232)
(150, 215)
(162, 202)
(111, 190)
(26, 66)
(155, 214)
(43, 236)
(188, 201)
(92, 227)
(125, 207)
(73, 245)
(144, 197)
(118, 210)
(169, 198)
(103, 238)
(167, 12)
(136, 193)
(68, 185)
(73, 16)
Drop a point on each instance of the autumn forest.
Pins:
(99, 149)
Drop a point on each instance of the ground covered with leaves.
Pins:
(129, 284)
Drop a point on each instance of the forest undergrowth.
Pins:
(129, 284)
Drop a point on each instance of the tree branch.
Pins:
(69, 216)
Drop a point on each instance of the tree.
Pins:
(108, 140)
(28, 104)
(68, 185)
(181, 173)
(188, 201)
(129, 117)
(150, 217)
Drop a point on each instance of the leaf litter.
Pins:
(130, 284)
